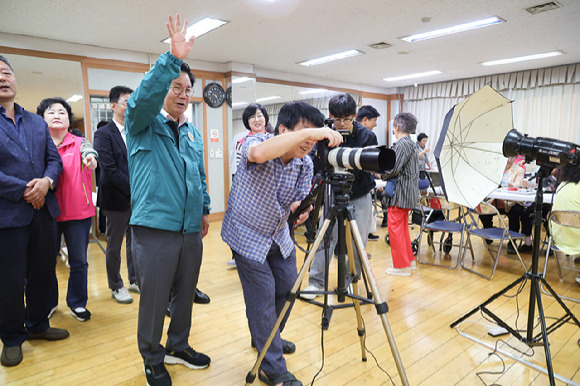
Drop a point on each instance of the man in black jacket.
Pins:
(114, 196)
(343, 109)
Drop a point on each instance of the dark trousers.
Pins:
(26, 267)
(117, 228)
(265, 286)
(517, 215)
(165, 261)
(76, 236)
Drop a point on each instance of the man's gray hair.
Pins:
(6, 61)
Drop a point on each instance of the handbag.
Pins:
(390, 187)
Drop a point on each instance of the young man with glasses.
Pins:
(170, 207)
(342, 109)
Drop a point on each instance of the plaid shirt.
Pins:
(259, 203)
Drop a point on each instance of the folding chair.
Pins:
(564, 218)
(501, 233)
(430, 206)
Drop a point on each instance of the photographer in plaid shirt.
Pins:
(273, 176)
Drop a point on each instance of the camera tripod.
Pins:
(336, 192)
(344, 214)
(536, 278)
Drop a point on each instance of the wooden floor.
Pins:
(103, 350)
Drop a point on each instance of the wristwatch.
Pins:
(50, 182)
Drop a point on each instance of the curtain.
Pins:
(546, 102)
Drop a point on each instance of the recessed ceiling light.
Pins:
(241, 79)
(201, 28)
(454, 29)
(521, 58)
(74, 98)
(268, 98)
(413, 76)
(331, 58)
(236, 104)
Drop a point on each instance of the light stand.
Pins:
(535, 294)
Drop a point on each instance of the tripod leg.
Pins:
(251, 376)
(356, 302)
(381, 306)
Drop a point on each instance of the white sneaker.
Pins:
(122, 296)
(578, 279)
(399, 271)
(231, 263)
(311, 287)
(133, 287)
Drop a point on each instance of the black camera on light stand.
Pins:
(549, 154)
(546, 152)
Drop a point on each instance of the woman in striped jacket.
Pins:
(405, 196)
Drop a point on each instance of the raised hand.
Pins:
(180, 47)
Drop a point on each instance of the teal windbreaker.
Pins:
(168, 184)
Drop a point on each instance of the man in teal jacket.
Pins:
(170, 207)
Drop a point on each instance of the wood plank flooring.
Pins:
(103, 351)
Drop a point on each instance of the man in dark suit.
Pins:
(29, 169)
(114, 196)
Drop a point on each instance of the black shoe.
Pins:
(50, 333)
(373, 237)
(511, 250)
(11, 356)
(188, 357)
(157, 375)
(81, 313)
(488, 241)
(287, 346)
(200, 297)
(525, 248)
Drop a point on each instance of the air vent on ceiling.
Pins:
(543, 7)
(380, 46)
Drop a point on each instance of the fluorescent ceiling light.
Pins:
(522, 58)
(239, 104)
(201, 28)
(452, 30)
(242, 79)
(331, 58)
(74, 98)
(268, 98)
(413, 76)
(313, 91)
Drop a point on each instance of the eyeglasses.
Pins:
(343, 121)
(177, 90)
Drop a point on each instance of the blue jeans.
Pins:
(76, 236)
(265, 286)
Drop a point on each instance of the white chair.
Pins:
(564, 218)
(501, 233)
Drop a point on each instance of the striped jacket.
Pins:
(406, 171)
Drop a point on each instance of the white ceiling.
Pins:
(274, 35)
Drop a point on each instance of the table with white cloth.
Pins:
(520, 195)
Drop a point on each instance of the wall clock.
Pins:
(214, 95)
(229, 96)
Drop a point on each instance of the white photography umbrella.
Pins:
(469, 150)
